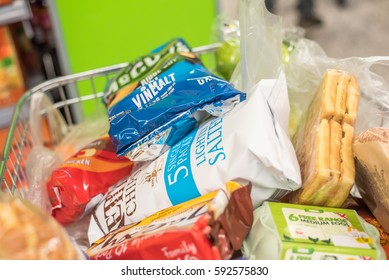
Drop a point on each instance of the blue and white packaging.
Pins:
(248, 143)
(166, 105)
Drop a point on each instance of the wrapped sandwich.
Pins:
(323, 142)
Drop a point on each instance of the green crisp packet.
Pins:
(300, 232)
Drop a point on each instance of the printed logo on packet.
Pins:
(142, 70)
(119, 204)
(174, 92)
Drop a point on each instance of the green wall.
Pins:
(97, 33)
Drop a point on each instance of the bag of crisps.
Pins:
(79, 183)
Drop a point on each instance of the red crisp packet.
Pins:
(209, 227)
(81, 181)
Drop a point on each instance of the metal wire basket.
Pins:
(68, 94)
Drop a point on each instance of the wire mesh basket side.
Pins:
(67, 95)
(15, 154)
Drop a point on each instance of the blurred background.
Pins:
(348, 27)
(43, 39)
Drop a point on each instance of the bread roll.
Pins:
(26, 233)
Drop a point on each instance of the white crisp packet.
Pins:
(247, 143)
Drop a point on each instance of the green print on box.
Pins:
(310, 232)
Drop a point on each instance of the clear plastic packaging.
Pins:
(49, 128)
(40, 163)
(27, 233)
(323, 142)
(306, 67)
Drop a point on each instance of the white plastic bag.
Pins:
(42, 109)
(261, 56)
(40, 163)
(42, 160)
(261, 43)
(48, 151)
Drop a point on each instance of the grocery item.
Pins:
(212, 226)
(371, 152)
(303, 232)
(219, 150)
(227, 57)
(144, 69)
(80, 182)
(360, 206)
(29, 234)
(323, 142)
(11, 77)
(151, 114)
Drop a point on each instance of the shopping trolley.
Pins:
(19, 142)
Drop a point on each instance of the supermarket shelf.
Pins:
(18, 10)
(6, 116)
(6, 112)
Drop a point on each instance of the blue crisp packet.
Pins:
(160, 111)
(144, 69)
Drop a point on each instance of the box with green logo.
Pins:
(302, 232)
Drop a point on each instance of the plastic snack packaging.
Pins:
(212, 226)
(247, 143)
(371, 152)
(145, 68)
(160, 98)
(27, 233)
(80, 182)
(303, 232)
(323, 142)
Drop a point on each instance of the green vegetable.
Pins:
(287, 49)
(227, 57)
